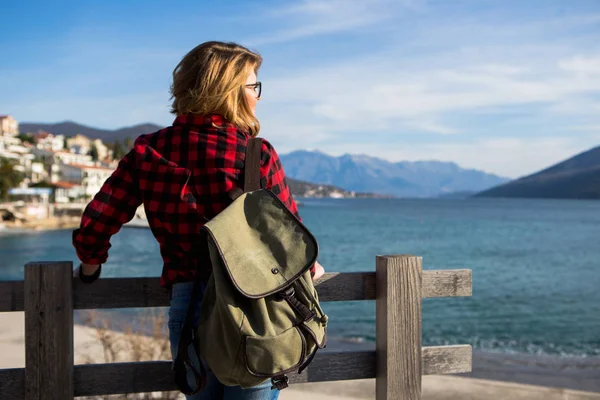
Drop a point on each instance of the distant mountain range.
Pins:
(576, 178)
(345, 176)
(69, 128)
(362, 173)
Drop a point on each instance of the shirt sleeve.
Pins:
(273, 178)
(114, 205)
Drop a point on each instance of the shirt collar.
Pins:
(213, 120)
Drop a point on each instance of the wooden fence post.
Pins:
(49, 331)
(398, 327)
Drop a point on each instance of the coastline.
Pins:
(38, 225)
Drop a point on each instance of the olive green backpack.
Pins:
(260, 317)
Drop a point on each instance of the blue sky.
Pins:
(508, 87)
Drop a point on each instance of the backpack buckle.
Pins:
(286, 293)
(280, 382)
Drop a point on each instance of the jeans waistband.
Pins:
(181, 288)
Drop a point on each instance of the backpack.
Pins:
(260, 316)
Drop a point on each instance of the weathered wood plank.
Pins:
(49, 327)
(447, 283)
(146, 292)
(12, 383)
(346, 286)
(102, 379)
(120, 293)
(440, 360)
(398, 327)
(117, 378)
(11, 296)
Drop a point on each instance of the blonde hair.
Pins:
(211, 79)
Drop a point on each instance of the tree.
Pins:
(9, 178)
(94, 152)
(66, 143)
(118, 151)
(26, 138)
(128, 143)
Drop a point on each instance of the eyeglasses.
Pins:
(257, 88)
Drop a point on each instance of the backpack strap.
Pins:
(182, 362)
(252, 165)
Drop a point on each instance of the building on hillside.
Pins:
(79, 144)
(13, 149)
(25, 161)
(37, 173)
(48, 141)
(89, 177)
(8, 126)
(53, 159)
(67, 192)
(104, 153)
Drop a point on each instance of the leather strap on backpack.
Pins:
(252, 165)
(182, 362)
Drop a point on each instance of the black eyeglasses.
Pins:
(257, 88)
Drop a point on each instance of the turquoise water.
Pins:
(535, 263)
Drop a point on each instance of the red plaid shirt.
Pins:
(183, 175)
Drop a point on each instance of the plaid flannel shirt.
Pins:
(183, 175)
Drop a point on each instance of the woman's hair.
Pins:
(211, 79)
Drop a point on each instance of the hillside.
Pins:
(576, 178)
(345, 176)
(69, 128)
(307, 189)
(362, 173)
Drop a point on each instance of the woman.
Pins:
(184, 175)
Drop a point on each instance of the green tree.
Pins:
(94, 152)
(128, 143)
(26, 137)
(9, 178)
(118, 151)
(66, 144)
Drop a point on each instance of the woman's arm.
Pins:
(114, 205)
(273, 177)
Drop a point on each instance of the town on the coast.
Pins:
(47, 179)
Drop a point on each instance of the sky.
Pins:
(508, 87)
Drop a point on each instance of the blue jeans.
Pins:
(180, 299)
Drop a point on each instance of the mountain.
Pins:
(576, 178)
(69, 128)
(363, 173)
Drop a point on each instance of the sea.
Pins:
(535, 265)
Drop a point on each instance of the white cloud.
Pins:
(353, 96)
(584, 128)
(581, 65)
(320, 17)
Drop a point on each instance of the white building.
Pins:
(8, 126)
(103, 151)
(79, 144)
(67, 192)
(53, 159)
(90, 178)
(48, 141)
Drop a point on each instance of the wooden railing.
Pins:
(49, 294)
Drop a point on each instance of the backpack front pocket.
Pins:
(275, 355)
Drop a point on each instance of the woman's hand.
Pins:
(319, 271)
(87, 272)
(89, 269)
